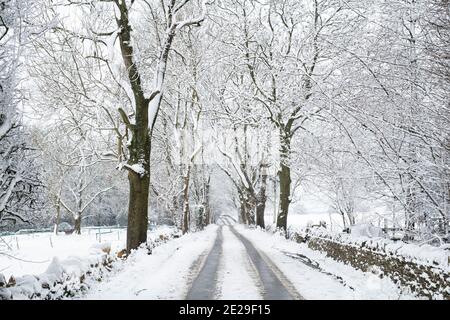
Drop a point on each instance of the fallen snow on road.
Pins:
(314, 284)
(165, 274)
(237, 277)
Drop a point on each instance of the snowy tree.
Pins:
(146, 107)
(287, 63)
(19, 170)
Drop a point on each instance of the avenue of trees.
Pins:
(212, 106)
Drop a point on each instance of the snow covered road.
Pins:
(235, 270)
(217, 263)
(237, 263)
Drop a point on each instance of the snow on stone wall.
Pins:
(63, 278)
(424, 269)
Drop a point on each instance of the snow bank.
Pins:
(422, 268)
(74, 274)
(165, 274)
(317, 276)
(61, 279)
(31, 253)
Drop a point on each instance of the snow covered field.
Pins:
(32, 253)
(314, 207)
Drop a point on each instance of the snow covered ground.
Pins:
(32, 253)
(335, 281)
(314, 206)
(333, 220)
(168, 273)
(165, 274)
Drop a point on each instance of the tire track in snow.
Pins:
(204, 285)
(237, 276)
(196, 268)
(276, 285)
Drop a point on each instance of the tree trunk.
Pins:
(58, 218)
(137, 210)
(261, 200)
(206, 202)
(250, 205)
(140, 142)
(351, 218)
(186, 212)
(285, 180)
(242, 208)
(79, 212)
(275, 206)
(139, 182)
(77, 224)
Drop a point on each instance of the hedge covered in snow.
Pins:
(423, 268)
(69, 277)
